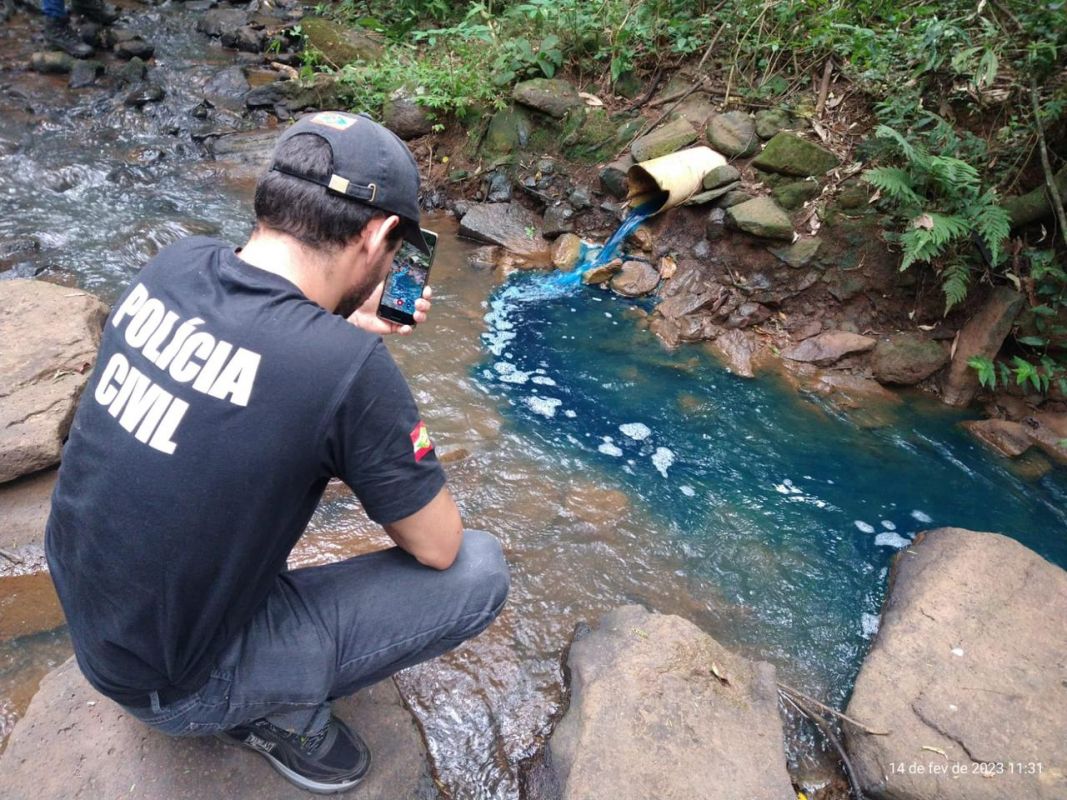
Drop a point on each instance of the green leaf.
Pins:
(1032, 341)
(987, 375)
(987, 69)
(1043, 311)
(893, 182)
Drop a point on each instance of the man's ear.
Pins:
(378, 230)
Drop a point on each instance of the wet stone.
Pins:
(907, 358)
(218, 20)
(339, 43)
(712, 194)
(559, 218)
(143, 95)
(134, 48)
(634, 279)
(509, 131)
(566, 252)
(613, 176)
(601, 274)
(227, 88)
(581, 198)
(51, 63)
(499, 188)
(84, 73)
(485, 258)
(829, 347)
(14, 249)
(246, 39)
(132, 72)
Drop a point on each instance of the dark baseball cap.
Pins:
(370, 164)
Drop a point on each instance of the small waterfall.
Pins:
(611, 247)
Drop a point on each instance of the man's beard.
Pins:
(355, 298)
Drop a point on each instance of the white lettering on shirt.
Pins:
(187, 354)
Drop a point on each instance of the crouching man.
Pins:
(230, 387)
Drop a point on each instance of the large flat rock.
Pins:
(648, 717)
(968, 674)
(510, 225)
(74, 743)
(24, 507)
(50, 336)
(982, 336)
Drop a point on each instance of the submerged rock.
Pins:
(660, 709)
(554, 97)
(733, 134)
(761, 217)
(51, 63)
(736, 349)
(14, 249)
(1008, 438)
(134, 48)
(788, 154)
(84, 73)
(227, 88)
(566, 252)
(601, 274)
(635, 279)
(982, 336)
(907, 358)
(50, 336)
(829, 347)
(671, 137)
(73, 742)
(143, 95)
(966, 673)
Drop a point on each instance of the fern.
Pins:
(955, 279)
(991, 222)
(929, 237)
(894, 183)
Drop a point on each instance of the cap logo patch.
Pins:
(420, 440)
(332, 119)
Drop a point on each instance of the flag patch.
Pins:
(332, 119)
(420, 440)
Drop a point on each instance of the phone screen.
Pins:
(406, 280)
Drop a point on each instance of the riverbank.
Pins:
(582, 543)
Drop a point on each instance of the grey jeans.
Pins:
(328, 631)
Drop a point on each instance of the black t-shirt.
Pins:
(222, 402)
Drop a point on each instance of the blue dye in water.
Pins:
(610, 248)
(791, 510)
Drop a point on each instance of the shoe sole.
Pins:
(296, 778)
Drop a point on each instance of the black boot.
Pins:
(58, 33)
(95, 10)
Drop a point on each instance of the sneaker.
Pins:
(95, 10)
(58, 33)
(333, 760)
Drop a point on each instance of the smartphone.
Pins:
(406, 280)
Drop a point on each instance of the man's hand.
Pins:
(366, 316)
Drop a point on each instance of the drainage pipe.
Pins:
(671, 179)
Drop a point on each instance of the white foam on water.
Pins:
(921, 516)
(507, 373)
(688, 491)
(870, 624)
(891, 539)
(863, 526)
(662, 460)
(544, 380)
(607, 314)
(889, 526)
(609, 448)
(545, 406)
(570, 413)
(637, 431)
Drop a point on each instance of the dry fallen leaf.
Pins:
(591, 99)
(923, 221)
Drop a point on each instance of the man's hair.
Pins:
(304, 210)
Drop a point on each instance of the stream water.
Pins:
(613, 470)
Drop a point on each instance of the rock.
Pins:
(73, 742)
(227, 88)
(143, 95)
(246, 39)
(761, 217)
(554, 97)
(696, 109)
(84, 73)
(339, 43)
(735, 348)
(485, 258)
(134, 48)
(636, 278)
(721, 176)
(566, 252)
(792, 196)
(14, 249)
(591, 135)
(788, 154)
(907, 358)
(666, 139)
(508, 224)
(748, 314)
(499, 188)
(967, 669)
(846, 284)
(50, 336)
(1008, 438)
(559, 218)
(601, 274)
(801, 329)
(320, 91)
(711, 194)
(1048, 430)
(219, 20)
(406, 118)
(799, 254)
(734, 197)
(51, 63)
(772, 120)
(649, 717)
(24, 507)
(733, 134)
(982, 336)
(613, 176)
(509, 131)
(581, 198)
(132, 72)
(715, 224)
(829, 347)
(642, 238)
(628, 85)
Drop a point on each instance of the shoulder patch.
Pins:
(332, 119)
(420, 440)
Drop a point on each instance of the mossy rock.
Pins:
(509, 132)
(591, 135)
(339, 44)
(551, 96)
(671, 137)
(792, 196)
(788, 154)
